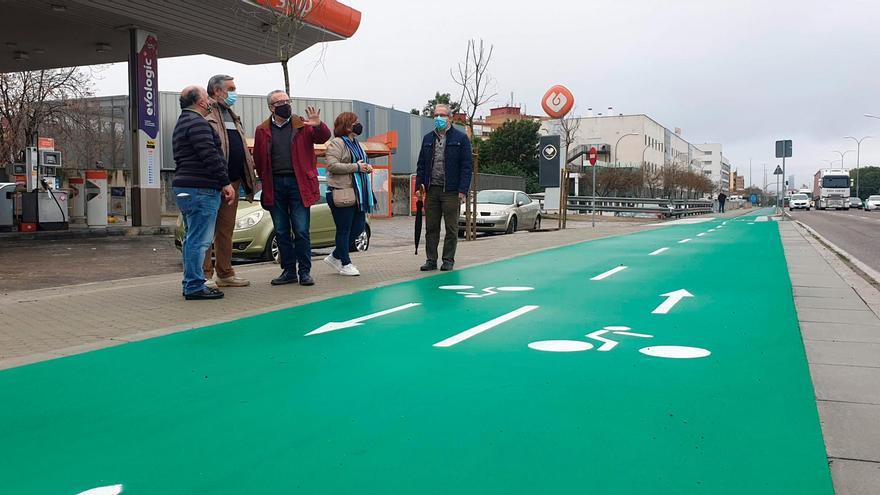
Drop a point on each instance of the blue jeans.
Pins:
(199, 209)
(290, 216)
(350, 223)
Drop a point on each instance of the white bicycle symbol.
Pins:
(488, 291)
(662, 351)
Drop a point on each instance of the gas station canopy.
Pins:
(38, 34)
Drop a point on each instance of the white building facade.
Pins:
(712, 164)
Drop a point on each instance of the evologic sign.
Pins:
(148, 104)
(557, 102)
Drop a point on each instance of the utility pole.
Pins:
(858, 159)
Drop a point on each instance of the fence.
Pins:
(652, 206)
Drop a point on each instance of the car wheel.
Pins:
(361, 243)
(511, 225)
(808, 209)
(537, 223)
(272, 253)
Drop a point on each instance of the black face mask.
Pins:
(357, 129)
(284, 111)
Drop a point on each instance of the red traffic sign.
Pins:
(557, 102)
(594, 155)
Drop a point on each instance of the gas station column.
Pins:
(146, 149)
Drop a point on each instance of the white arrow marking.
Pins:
(334, 325)
(609, 273)
(684, 241)
(701, 234)
(655, 253)
(104, 490)
(455, 339)
(673, 299)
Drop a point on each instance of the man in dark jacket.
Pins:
(444, 168)
(284, 155)
(199, 181)
(722, 198)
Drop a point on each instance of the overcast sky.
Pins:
(741, 72)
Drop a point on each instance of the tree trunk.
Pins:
(286, 76)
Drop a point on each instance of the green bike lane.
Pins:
(255, 405)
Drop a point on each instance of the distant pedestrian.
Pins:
(240, 169)
(349, 189)
(284, 155)
(722, 198)
(444, 168)
(200, 179)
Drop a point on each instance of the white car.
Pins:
(872, 203)
(799, 202)
(504, 211)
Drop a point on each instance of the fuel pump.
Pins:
(42, 205)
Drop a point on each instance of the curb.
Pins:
(872, 274)
(88, 233)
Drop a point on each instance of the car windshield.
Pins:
(832, 181)
(495, 197)
(799, 196)
(855, 200)
(874, 198)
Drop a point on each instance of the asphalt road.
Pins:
(855, 231)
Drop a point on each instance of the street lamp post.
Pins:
(618, 142)
(858, 159)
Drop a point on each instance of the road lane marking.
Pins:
(661, 250)
(461, 337)
(675, 352)
(673, 298)
(609, 273)
(340, 325)
(104, 490)
(684, 241)
(701, 234)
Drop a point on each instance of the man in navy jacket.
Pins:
(445, 168)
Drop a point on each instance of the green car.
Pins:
(254, 234)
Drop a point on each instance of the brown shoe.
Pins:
(232, 281)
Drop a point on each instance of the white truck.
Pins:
(831, 188)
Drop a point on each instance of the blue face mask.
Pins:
(441, 123)
(231, 98)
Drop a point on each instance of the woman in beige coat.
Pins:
(348, 180)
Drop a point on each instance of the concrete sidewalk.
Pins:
(49, 323)
(838, 315)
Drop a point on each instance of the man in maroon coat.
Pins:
(284, 158)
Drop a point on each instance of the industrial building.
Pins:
(105, 144)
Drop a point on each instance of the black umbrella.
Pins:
(419, 206)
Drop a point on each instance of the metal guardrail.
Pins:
(655, 206)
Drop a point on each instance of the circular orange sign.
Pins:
(557, 102)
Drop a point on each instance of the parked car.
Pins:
(799, 202)
(254, 234)
(856, 203)
(873, 203)
(504, 211)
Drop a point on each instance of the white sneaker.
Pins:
(349, 270)
(335, 263)
(211, 284)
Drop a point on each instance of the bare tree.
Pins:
(473, 77)
(31, 99)
(569, 127)
(289, 19)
